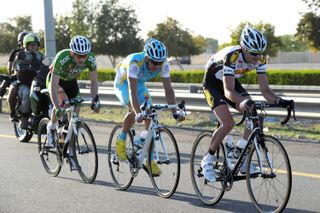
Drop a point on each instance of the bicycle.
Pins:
(269, 189)
(160, 145)
(77, 145)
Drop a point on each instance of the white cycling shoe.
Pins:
(208, 171)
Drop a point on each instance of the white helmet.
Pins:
(155, 50)
(80, 45)
(253, 40)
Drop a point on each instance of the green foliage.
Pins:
(10, 30)
(63, 32)
(290, 43)
(178, 41)
(116, 30)
(308, 30)
(267, 29)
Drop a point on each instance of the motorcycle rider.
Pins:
(26, 66)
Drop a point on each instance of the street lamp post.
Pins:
(49, 32)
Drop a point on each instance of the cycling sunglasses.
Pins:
(254, 54)
(156, 63)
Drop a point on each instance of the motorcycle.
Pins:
(40, 103)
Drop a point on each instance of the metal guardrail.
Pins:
(307, 98)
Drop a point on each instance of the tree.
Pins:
(63, 32)
(10, 30)
(116, 30)
(274, 43)
(81, 18)
(291, 43)
(212, 45)
(308, 30)
(313, 4)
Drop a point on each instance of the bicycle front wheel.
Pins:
(165, 155)
(119, 169)
(49, 157)
(209, 193)
(270, 190)
(85, 153)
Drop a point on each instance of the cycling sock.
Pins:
(123, 136)
(211, 152)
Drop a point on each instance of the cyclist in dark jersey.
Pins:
(220, 86)
(66, 67)
(13, 90)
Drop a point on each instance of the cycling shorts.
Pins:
(122, 93)
(214, 92)
(71, 88)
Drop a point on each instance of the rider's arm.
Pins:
(54, 95)
(266, 91)
(94, 83)
(229, 89)
(169, 93)
(133, 94)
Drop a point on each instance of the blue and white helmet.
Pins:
(155, 50)
(253, 40)
(80, 45)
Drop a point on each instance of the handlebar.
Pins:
(145, 107)
(254, 106)
(75, 101)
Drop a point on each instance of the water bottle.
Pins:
(229, 145)
(139, 142)
(239, 147)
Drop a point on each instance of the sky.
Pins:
(209, 18)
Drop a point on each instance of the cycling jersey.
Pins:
(134, 66)
(67, 69)
(231, 61)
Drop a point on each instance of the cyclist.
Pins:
(13, 91)
(62, 79)
(221, 86)
(26, 66)
(130, 88)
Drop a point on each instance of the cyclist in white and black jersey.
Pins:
(221, 86)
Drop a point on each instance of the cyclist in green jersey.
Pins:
(62, 79)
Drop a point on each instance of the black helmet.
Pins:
(21, 36)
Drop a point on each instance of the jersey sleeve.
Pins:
(92, 65)
(165, 72)
(230, 63)
(133, 70)
(262, 68)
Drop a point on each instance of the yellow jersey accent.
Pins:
(209, 98)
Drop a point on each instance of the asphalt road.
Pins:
(26, 187)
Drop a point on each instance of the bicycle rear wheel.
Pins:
(209, 193)
(119, 170)
(49, 157)
(165, 153)
(85, 153)
(270, 190)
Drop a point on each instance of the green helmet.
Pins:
(30, 37)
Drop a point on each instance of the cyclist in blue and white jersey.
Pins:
(130, 88)
(221, 87)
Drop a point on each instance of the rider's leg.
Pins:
(12, 100)
(25, 107)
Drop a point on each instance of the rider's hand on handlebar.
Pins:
(59, 112)
(244, 105)
(178, 116)
(289, 104)
(139, 117)
(95, 104)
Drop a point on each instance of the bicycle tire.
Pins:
(209, 193)
(119, 170)
(85, 153)
(268, 183)
(49, 158)
(168, 161)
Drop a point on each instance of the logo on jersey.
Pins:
(209, 98)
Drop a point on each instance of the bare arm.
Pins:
(133, 94)
(169, 93)
(54, 89)
(229, 90)
(266, 91)
(94, 83)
